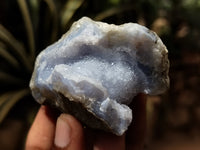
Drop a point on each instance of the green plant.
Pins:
(17, 57)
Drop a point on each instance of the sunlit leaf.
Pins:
(52, 8)
(7, 56)
(29, 27)
(16, 47)
(69, 9)
(8, 100)
(4, 97)
(34, 12)
(114, 2)
(112, 11)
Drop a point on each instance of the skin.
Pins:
(47, 124)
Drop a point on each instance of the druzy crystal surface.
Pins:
(95, 70)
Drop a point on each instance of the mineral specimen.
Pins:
(95, 70)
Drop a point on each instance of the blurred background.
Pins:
(28, 26)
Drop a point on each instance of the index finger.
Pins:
(41, 134)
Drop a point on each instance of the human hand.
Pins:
(50, 131)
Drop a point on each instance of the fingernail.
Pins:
(63, 132)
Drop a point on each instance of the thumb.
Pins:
(69, 133)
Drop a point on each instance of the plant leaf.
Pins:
(7, 56)
(8, 100)
(16, 47)
(69, 9)
(29, 27)
(52, 8)
(112, 11)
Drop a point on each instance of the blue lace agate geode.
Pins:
(95, 70)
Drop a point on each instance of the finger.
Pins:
(107, 141)
(41, 134)
(136, 133)
(69, 134)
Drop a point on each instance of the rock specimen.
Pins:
(95, 70)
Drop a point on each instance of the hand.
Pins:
(50, 131)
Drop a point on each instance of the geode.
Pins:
(95, 70)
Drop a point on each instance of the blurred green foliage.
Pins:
(34, 24)
(28, 26)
